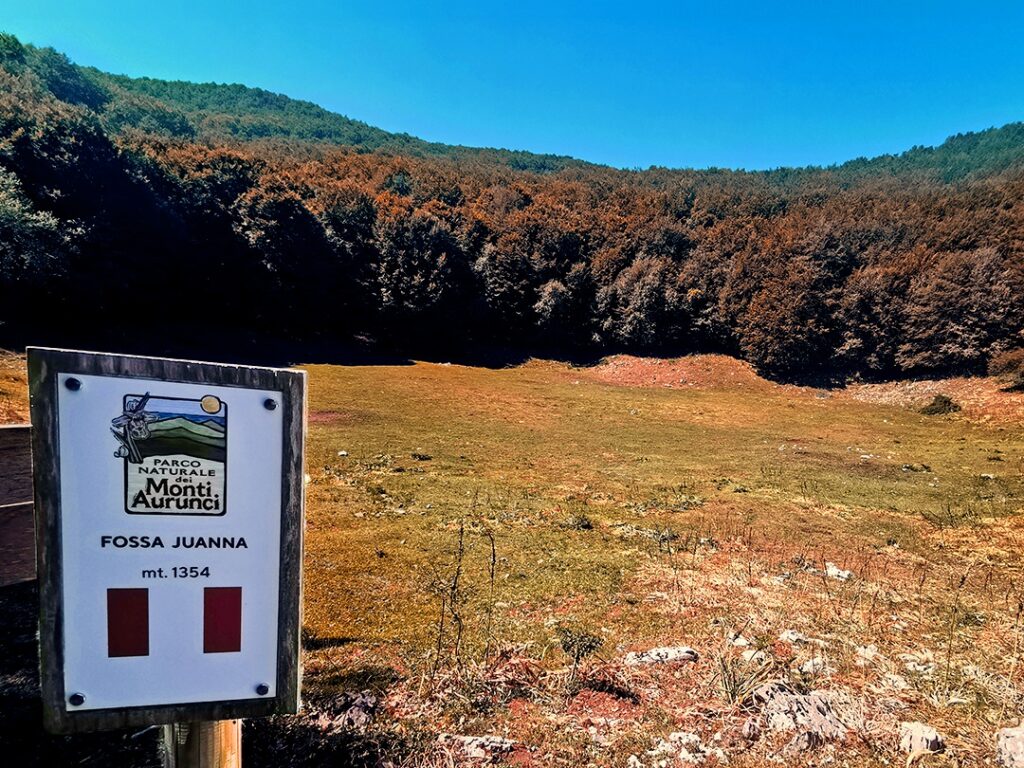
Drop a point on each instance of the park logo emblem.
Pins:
(175, 454)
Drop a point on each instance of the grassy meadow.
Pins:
(470, 529)
(657, 516)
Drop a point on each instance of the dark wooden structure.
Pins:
(17, 537)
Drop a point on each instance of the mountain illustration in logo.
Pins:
(174, 452)
(173, 434)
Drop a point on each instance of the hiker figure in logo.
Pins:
(174, 451)
(130, 426)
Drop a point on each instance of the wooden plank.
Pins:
(15, 464)
(17, 533)
(17, 544)
(44, 365)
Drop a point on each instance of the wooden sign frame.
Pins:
(44, 364)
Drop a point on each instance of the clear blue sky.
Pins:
(631, 84)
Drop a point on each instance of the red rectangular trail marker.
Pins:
(127, 622)
(222, 619)
(166, 491)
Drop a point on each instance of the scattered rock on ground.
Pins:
(920, 739)
(488, 748)
(813, 666)
(356, 710)
(661, 655)
(815, 712)
(895, 682)
(751, 730)
(793, 637)
(804, 741)
(866, 654)
(833, 571)
(754, 657)
(1010, 747)
(347, 710)
(922, 663)
(686, 748)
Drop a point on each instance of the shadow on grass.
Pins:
(374, 678)
(285, 741)
(312, 642)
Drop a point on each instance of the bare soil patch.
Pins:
(981, 398)
(984, 399)
(699, 371)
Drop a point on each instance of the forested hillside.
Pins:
(172, 217)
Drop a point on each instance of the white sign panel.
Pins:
(170, 526)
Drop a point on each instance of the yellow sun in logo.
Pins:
(210, 403)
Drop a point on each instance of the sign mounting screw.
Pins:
(270, 404)
(76, 699)
(73, 384)
(262, 689)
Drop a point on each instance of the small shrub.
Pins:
(951, 516)
(1009, 367)
(577, 643)
(1015, 384)
(940, 406)
(664, 537)
(1006, 363)
(738, 679)
(970, 618)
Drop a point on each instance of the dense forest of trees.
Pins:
(170, 217)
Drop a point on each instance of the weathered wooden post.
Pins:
(203, 745)
(169, 515)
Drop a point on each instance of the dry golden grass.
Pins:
(13, 389)
(712, 510)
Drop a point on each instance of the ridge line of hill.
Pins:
(221, 111)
